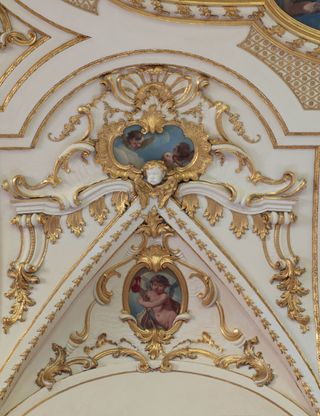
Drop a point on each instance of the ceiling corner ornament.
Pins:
(154, 277)
(9, 35)
(86, 5)
(297, 72)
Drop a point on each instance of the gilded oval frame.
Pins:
(154, 338)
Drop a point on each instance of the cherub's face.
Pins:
(158, 287)
(154, 175)
(135, 143)
(167, 157)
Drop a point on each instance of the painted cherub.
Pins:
(126, 152)
(160, 309)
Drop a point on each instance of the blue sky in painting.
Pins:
(163, 142)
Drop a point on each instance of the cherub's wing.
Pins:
(147, 141)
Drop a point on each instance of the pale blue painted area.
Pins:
(160, 143)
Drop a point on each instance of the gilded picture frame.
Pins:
(155, 325)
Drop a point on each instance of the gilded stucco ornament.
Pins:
(157, 264)
(9, 35)
(153, 133)
(153, 143)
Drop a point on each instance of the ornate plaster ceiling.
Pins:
(243, 209)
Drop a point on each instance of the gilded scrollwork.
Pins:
(60, 365)
(9, 35)
(286, 267)
(157, 258)
(263, 372)
(290, 184)
(23, 270)
(229, 334)
(20, 188)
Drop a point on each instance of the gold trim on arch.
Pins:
(315, 265)
(109, 58)
(78, 38)
(146, 51)
(284, 19)
(173, 371)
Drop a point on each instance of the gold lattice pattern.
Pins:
(88, 5)
(301, 76)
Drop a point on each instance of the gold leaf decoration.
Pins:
(23, 272)
(239, 128)
(261, 225)
(184, 10)
(51, 227)
(76, 223)
(87, 5)
(190, 203)
(158, 7)
(263, 372)
(100, 342)
(98, 210)
(155, 257)
(80, 337)
(103, 294)
(230, 335)
(59, 365)
(8, 35)
(68, 128)
(213, 212)
(208, 296)
(239, 224)
(55, 367)
(120, 200)
(154, 225)
(233, 12)
(288, 278)
(24, 278)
